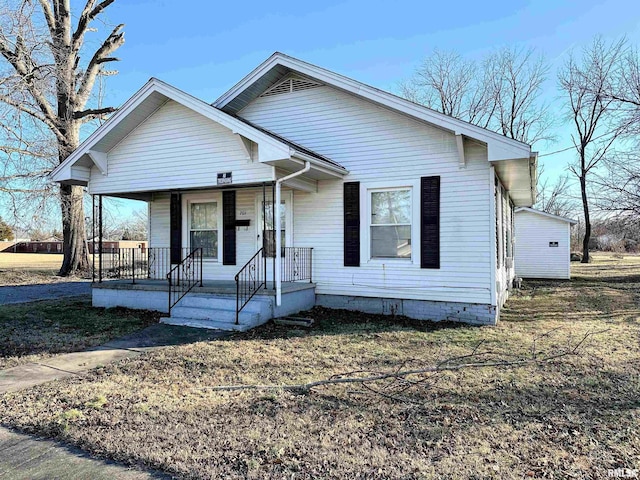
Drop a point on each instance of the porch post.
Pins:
(93, 238)
(277, 273)
(264, 223)
(100, 238)
(275, 232)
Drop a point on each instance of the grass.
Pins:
(574, 417)
(30, 332)
(30, 268)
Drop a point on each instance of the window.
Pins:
(269, 228)
(203, 228)
(391, 223)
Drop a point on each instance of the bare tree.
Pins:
(585, 82)
(46, 84)
(501, 93)
(619, 184)
(555, 198)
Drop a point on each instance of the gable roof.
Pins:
(545, 214)
(279, 65)
(514, 162)
(152, 96)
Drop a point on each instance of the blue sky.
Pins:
(204, 47)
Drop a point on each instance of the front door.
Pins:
(265, 231)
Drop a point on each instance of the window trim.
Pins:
(187, 200)
(365, 224)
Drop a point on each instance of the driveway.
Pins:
(44, 291)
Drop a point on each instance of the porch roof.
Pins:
(271, 149)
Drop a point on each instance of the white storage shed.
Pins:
(542, 244)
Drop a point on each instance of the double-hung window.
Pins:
(390, 223)
(203, 228)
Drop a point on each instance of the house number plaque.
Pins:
(224, 178)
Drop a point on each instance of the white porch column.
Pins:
(278, 226)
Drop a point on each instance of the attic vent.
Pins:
(291, 84)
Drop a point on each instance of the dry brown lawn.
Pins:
(30, 268)
(37, 330)
(575, 417)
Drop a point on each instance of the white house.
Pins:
(385, 205)
(543, 244)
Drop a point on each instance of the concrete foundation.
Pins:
(472, 313)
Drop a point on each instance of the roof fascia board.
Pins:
(275, 150)
(500, 147)
(318, 165)
(103, 129)
(546, 214)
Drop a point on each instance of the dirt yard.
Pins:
(574, 416)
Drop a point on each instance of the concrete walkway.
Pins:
(74, 364)
(44, 291)
(23, 457)
(26, 457)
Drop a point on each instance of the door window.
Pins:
(203, 228)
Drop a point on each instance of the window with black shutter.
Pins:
(229, 227)
(430, 222)
(352, 224)
(175, 237)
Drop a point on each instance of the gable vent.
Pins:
(291, 84)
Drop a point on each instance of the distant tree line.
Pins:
(600, 89)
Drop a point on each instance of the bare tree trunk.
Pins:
(587, 220)
(73, 230)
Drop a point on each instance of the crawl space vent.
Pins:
(291, 84)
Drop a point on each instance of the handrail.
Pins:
(187, 274)
(249, 279)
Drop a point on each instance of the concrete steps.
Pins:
(218, 311)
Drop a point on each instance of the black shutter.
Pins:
(430, 222)
(175, 237)
(229, 227)
(352, 224)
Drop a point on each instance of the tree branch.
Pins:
(93, 112)
(110, 45)
(443, 366)
(89, 13)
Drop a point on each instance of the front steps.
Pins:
(218, 311)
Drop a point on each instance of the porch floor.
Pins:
(225, 287)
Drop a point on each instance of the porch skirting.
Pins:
(472, 313)
(297, 297)
(153, 295)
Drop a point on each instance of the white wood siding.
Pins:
(380, 147)
(506, 269)
(176, 148)
(246, 237)
(534, 257)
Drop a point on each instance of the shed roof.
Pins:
(545, 214)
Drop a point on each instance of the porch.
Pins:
(148, 279)
(213, 305)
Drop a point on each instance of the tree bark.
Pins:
(74, 235)
(587, 219)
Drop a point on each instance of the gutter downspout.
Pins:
(278, 225)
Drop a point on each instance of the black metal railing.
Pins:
(184, 276)
(133, 263)
(251, 278)
(297, 264)
(123, 264)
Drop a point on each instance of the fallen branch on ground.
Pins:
(444, 366)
